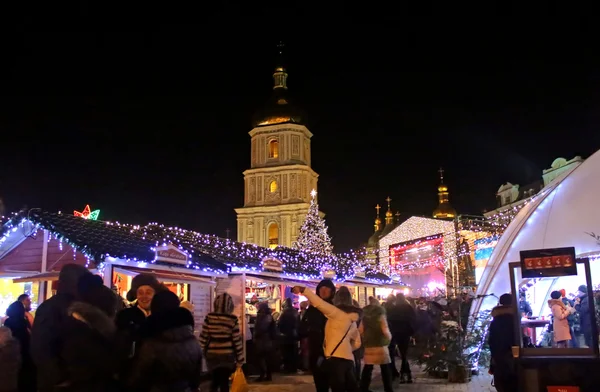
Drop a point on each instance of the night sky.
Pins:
(153, 126)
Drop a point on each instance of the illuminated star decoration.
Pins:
(313, 193)
(87, 213)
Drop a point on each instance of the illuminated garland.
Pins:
(237, 256)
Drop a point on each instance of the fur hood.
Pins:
(502, 310)
(373, 311)
(559, 302)
(93, 317)
(173, 325)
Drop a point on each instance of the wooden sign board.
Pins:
(171, 254)
(271, 264)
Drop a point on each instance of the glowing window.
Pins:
(273, 235)
(274, 148)
(273, 186)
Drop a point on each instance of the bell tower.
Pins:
(277, 186)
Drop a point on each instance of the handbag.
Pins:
(322, 360)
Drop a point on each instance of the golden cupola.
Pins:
(279, 109)
(374, 239)
(444, 209)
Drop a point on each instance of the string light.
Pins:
(313, 237)
(236, 256)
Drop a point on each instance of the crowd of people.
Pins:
(84, 338)
(87, 338)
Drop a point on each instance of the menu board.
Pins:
(548, 262)
(200, 296)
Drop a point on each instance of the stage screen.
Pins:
(420, 263)
(483, 250)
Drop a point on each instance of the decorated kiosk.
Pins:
(552, 245)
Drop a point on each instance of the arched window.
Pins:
(273, 186)
(274, 148)
(273, 232)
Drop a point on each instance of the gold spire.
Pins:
(280, 76)
(377, 219)
(444, 209)
(389, 217)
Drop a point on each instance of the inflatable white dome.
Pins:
(562, 215)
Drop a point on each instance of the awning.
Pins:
(164, 275)
(42, 277)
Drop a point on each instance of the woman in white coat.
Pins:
(341, 339)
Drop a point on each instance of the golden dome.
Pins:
(442, 188)
(444, 211)
(377, 221)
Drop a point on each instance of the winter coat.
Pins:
(402, 319)
(169, 357)
(338, 322)
(571, 317)
(220, 338)
(376, 336)
(265, 331)
(10, 362)
(289, 322)
(128, 322)
(88, 349)
(560, 324)
(502, 332)
(46, 340)
(584, 314)
(313, 323)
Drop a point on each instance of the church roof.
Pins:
(278, 110)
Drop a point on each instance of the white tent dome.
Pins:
(562, 215)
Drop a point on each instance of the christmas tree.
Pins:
(313, 235)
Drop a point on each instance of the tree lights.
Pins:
(313, 237)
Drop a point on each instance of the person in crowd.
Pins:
(582, 305)
(130, 320)
(221, 342)
(358, 354)
(376, 338)
(393, 320)
(303, 335)
(47, 329)
(265, 334)
(341, 338)
(20, 328)
(560, 324)
(501, 340)
(403, 330)
(525, 311)
(170, 358)
(26, 301)
(571, 318)
(10, 361)
(424, 326)
(314, 323)
(89, 336)
(288, 328)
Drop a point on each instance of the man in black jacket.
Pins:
(501, 340)
(314, 325)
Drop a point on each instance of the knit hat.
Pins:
(142, 280)
(163, 302)
(555, 295)
(223, 304)
(563, 292)
(342, 297)
(583, 288)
